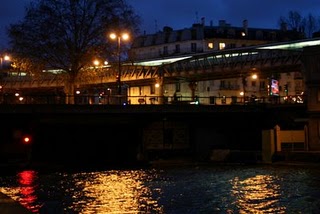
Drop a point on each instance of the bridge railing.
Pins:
(148, 100)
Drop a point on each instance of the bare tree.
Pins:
(293, 20)
(69, 34)
(310, 22)
(296, 22)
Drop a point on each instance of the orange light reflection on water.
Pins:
(258, 194)
(116, 192)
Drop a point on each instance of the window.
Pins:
(222, 84)
(212, 100)
(178, 48)
(222, 45)
(232, 45)
(229, 85)
(259, 35)
(262, 85)
(253, 83)
(152, 89)
(178, 87)
(193, 47)
(165, 50)
(210, 45)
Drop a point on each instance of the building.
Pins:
(201, 39)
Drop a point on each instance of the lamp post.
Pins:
(119, 37)
(2, 59)
(244, 84)
(243, 93)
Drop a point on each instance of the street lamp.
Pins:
(244, 83)
(96, 63)
(2, 59)
(119, 37)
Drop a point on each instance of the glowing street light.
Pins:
(119, 37)
(96, 62)
(4, 58)
(244, 83)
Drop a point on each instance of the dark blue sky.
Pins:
(180, 14)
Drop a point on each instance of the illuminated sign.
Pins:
(274, 87)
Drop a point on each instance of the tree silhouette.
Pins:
(310, 23)
(296, 22)
(69, 34)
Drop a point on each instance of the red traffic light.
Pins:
(26, 140)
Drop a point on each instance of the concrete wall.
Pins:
(311, 71)
(277, 140)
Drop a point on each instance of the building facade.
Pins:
(200, 39)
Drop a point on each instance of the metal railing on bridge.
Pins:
(148, 100)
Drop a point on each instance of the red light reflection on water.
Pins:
(26, 180)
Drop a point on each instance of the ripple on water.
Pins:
(219, 189)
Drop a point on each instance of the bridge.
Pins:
(103, 134)
(65, 130)
(269, 59)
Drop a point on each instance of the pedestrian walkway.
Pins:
(10, 206)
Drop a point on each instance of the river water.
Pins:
(187, 189)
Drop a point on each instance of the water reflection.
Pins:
(27, 181)
(25, 190)
(114, 192)
(257, 194)
(219, 189)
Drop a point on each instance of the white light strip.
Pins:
(292, 45)
(160, 61)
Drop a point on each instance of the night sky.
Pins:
(180, 14)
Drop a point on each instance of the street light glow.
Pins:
(119, 37)
(96, 62)
(6, 58)
(254, 76)
(125, 36)
(113, 36)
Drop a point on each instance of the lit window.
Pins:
(210, 45)
(222, 45)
